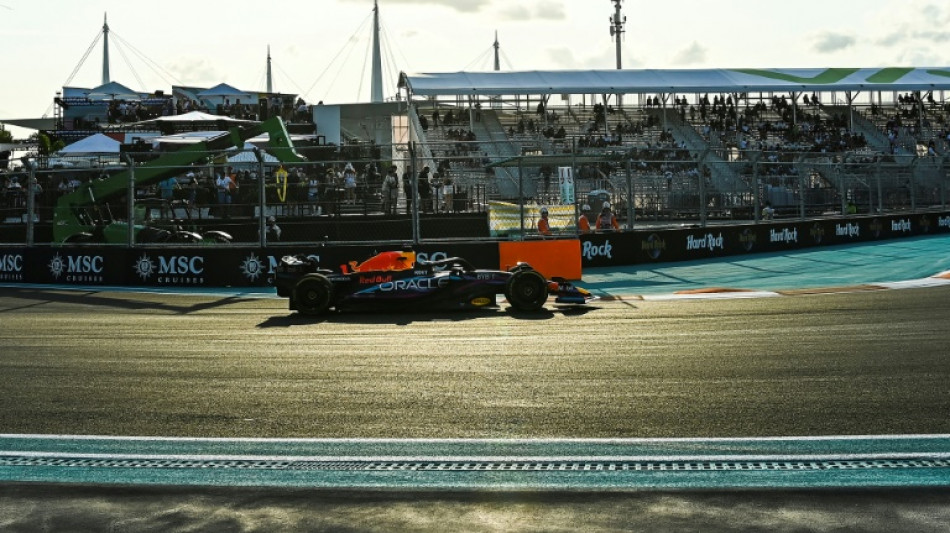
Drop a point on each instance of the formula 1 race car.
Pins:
(396, 281)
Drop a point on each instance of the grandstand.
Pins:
(668, 144)
(667, 147)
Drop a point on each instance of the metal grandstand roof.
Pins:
(680, 81)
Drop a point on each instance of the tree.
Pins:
(44, 144)
(5, 136)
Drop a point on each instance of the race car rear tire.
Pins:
(312, 294)
(79, 237)
(184, 236)
(217, 236)
(526, 290)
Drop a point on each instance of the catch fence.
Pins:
(451, 188)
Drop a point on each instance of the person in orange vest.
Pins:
(607, 221)
(583, 223)
(544, 226)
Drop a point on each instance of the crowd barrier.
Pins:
(241, 266)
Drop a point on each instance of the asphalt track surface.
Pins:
(802, 359)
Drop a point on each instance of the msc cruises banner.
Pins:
(205, 266)
(224, 266)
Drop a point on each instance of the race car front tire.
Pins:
(312, 294)
(526, 290)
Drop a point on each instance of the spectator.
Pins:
(544, 225)
(192, 195)
(607, 222)
(35, 188)
(389, 190)
(424, 190)
(234, 184)
(332, 191)
(448, 192)
(223, 186)
(407, 189)
(272, 230)
(435, 186)
(349, 184)
(313, 194)
(64, 186)
(167, 188)
(768, 212)
(583, 223)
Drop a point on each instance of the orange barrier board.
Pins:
(552, 258)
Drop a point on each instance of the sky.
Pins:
(320, 48)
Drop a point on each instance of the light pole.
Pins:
(616, 28)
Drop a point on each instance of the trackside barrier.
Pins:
(225, 266)
(239, 266)
(685, 244)
(552, 258)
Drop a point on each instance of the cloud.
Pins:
(891, 39)
(917, 25)
(602, 58)
(693, 54)
(464, 6)
(196, 71)
(518, 12)
(935, 14)
(538, 11)
(829, 42)
(933, 36)
(563, 58)
(551, 11)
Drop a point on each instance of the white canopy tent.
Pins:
(190, 137)
(196, 118)
(225, 90)
(113, 91)
(247, 157)
(97, 144)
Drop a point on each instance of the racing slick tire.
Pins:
(79, 237)
(526, 290)
(312, 294)
(184, 236)
(217, 236)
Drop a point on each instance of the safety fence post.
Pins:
(30, 204)
(130, 234)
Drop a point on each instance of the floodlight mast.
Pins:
(617, 22)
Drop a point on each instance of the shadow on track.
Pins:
(403, 318)
(123, 300)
